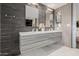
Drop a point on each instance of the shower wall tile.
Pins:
(10, 27)
(0, 28)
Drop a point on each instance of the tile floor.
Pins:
(65, 51)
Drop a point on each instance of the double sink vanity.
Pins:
(45, 29)
(33, 40)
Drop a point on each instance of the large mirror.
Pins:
(37, 18)
(31, 15)
(49, 19)
(58, 20)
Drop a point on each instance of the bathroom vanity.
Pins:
(33, 40)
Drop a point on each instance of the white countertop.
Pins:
(37, 32)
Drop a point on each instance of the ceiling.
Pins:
(54, 5)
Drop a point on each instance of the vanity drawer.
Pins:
(36, 45)
(32, 41)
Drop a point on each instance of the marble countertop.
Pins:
(37, 32)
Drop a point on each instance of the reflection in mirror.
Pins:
(42, 19)
(58, 20)
(49, 19)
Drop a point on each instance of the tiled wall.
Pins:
(0, 28)
(12, 22)
(11, 25)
